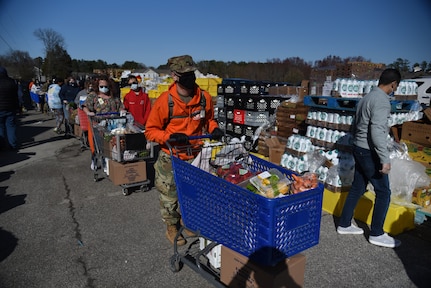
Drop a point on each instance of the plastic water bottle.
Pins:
(343, 87)
(361, 87)
(336, 85)
(403, 88)
(289, 143)
(355, 92)
(308, 133)
(350, 88)
(328, 137)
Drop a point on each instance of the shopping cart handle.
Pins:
(107, 113)
(168, 142)
(200, 137)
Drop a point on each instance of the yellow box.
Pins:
(213, 91)
(153, 93)
(214, 81)
(123, 92)
(202, 82)
(162, 87)
(398, 218)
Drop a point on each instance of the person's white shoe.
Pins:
(384, 240)
(352, 229)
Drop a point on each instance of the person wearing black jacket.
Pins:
(9, 106)
(68, 94)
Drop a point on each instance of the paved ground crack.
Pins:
(78, 235)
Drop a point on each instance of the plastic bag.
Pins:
(405, 176)
(315, 160)
(398, 150)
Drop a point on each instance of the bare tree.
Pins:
(19, 64)
(57, 61)
(50, 38)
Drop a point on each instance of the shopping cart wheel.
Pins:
(96, 177)
(126, 191)
(144, 188)
(176, 263)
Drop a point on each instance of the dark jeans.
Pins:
(67, 126)
(8, 129)
(367, 166)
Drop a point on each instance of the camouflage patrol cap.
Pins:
(182, 64)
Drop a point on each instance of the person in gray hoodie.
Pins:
(9, 106)
(372, 163)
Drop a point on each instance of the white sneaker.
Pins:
(384, 240)
(352, 229)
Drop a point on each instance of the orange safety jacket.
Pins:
(160, 126)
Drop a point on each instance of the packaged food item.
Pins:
(271, 183)
(305, 182)
(234, 173)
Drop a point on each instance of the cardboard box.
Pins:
(417, 132)
(276, 149)
(237, 271)
(427, 113)
(77, 130)
(127, 173)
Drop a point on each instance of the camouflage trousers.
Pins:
(165, 184)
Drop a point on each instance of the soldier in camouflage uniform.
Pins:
(187, 116)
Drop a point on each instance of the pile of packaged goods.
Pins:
(124, 141)
(270, 184)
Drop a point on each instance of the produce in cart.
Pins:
(305, 182)
(270, 183)
(234, 173)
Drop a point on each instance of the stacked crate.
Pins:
(291, 118)
(246, 107)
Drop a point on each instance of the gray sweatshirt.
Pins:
(371, 123)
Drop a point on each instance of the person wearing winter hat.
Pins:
(9, 107)
(184, 110)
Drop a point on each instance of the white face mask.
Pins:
(134, 86)
(104, 89)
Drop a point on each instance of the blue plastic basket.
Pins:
(265, 230)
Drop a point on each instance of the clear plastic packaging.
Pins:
(271, 183)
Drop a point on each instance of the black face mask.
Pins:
(188, 80)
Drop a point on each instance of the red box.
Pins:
(238, 116)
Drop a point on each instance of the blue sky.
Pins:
(150, 32)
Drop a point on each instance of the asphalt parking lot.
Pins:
(58, 227)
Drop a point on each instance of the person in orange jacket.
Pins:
(182, 111)
(137, 102)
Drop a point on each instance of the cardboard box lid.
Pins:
(416, 132)
(273, 142)
(427, 113)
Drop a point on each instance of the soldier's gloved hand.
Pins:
(217, 134)
(180, 138)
